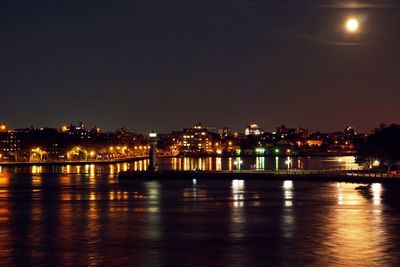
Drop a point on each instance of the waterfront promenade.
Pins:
(74, 162)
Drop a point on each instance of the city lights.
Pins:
(78, 144)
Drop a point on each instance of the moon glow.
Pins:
(352, 25)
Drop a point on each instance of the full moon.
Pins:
(352, 25)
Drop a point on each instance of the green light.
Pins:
(260, 150)
(276, 150)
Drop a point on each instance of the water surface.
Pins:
(91, 219)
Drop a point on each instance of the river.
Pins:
(89, 218)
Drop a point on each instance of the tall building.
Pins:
(9, 143)
(197, 140)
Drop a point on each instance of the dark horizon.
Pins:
(153, 65)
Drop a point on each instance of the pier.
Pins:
(352, 176)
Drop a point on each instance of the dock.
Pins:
(350, 176)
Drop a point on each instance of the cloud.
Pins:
(371, 4)
(323, 41)
(333, 4)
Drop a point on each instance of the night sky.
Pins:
(165, 65)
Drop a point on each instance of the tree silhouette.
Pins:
(383, 145)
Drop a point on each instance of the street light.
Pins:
(238, 162)
(288, 162)
(37, 154)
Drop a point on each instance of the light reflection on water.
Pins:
(357, 226)
(287, 215)
(92, 219)
(288, 193)
(237, 225)
(257, 163)
(189, 164)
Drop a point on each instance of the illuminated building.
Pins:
(314, 143)
(9, 143)
(79, 132)
(253, 129)
(61, 144)
(197, 140)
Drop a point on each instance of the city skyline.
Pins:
(7, 126)
(155, 65)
